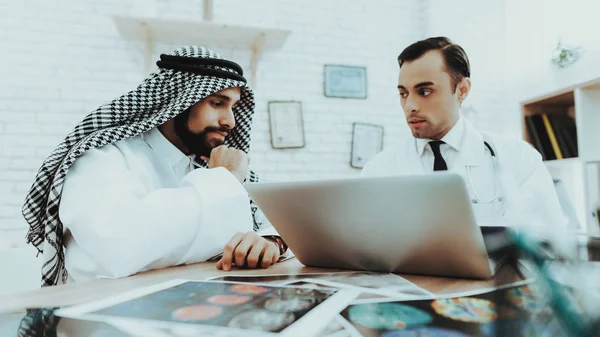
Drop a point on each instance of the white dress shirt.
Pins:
(141, 204)
(453, 142)
(524, 184)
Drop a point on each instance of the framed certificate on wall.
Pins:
(287, 124)
(345, 81)
(367, 141)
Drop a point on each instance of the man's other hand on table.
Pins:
(249, 250)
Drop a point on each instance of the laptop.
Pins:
(417, 224)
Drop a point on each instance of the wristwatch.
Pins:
(279, 242)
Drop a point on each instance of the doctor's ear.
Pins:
(463, 88)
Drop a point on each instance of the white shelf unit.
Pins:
(581, 174)
(174, 31)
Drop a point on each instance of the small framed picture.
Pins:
(367, 141)
(287, 124)
(345, 81)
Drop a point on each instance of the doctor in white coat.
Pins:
(507, 182)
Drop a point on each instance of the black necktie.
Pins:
(439, 164)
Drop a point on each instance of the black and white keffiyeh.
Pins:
(183, 78)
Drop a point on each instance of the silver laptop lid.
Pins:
(420, 224)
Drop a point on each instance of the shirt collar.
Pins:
(164, 149)
(454, 138)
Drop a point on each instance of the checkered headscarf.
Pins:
(184, 77)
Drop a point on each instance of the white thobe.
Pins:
(141, 204)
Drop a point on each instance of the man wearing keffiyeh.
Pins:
(154, 179)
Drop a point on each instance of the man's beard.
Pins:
(196, 143)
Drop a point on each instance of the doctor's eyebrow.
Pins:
(418, 85)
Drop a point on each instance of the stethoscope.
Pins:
(497, 197)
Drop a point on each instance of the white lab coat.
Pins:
(530, 200)
(140, 204)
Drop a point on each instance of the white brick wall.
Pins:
(329, 32)
(60, 60)
(479, 27)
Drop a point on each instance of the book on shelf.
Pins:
(554, 136)
(544, 147)
(566, 132)
(561, 138)
(533, 135)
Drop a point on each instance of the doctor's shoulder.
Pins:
(515, 149)
(382, 163)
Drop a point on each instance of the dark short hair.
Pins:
(456, 59)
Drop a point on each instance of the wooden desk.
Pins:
(70, 294)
